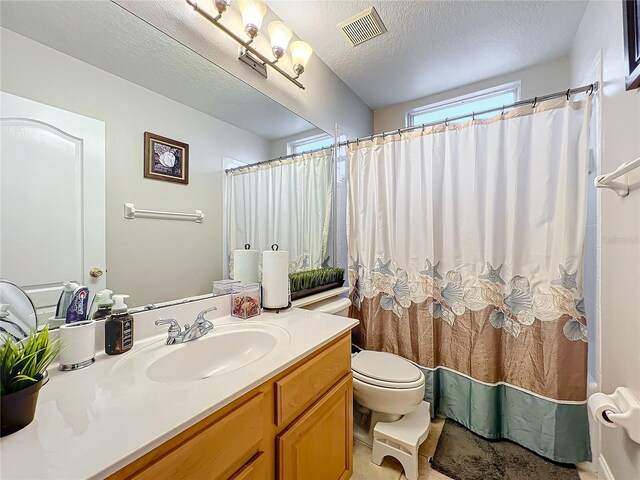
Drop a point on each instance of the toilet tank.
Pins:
(332, 302)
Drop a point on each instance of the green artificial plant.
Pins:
(23, 363)
(315, 278)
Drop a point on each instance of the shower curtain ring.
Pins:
(399, 133)
(371, 138)
(535, 102)
(473, 116)
(446, 122)
(591, 89)
(423, 125)
(502, 110)
(568, 93)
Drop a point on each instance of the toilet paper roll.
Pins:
(275, 279)
(246, 265)
(599, 404)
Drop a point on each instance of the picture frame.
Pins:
(631, 14)
(165, 159)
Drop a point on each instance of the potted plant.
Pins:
(23, 366)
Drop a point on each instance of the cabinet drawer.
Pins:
(319, 444)
(299, 389)
(217, 451)
(254, 469)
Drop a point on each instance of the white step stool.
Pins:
(401, 439)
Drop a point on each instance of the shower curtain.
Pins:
(466, 256)
(287, 202)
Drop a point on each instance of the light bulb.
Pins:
(221, 5)
(300, 54)
(253, 12)
(280, 35)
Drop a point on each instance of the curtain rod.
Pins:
(591, 88)
(277, 159)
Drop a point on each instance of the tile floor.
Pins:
(391, 469)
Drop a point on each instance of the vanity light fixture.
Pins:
(300, 54)
(221, 6)
(253, 12)
(280, 35)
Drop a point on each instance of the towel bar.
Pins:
(130, 212)
(608, 181)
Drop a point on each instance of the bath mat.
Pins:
(463, 455)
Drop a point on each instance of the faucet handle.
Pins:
(174, 326)
(201, 315)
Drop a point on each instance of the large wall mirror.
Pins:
(82, 82)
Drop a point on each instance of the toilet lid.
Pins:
(386, 367)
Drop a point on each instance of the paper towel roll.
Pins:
(599, 404)
(275, 279)
(246, 265)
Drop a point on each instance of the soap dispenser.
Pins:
(104, 301)
(118, 329)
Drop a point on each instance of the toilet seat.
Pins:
(386, 370)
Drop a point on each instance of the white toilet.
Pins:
(385, 386)
(389, 412)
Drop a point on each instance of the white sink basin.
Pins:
(226, 348)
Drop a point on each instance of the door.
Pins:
(326, 427)
(52, 200)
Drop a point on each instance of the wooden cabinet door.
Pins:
(319, 445)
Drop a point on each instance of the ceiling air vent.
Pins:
(362, 26)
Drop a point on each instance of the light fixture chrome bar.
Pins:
(246, 44)
(592, 87)
(246, 57)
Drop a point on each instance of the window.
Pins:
(494, 97)
(310, 143)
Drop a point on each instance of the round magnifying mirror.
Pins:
(17, 314)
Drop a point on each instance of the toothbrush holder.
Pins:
(78, 342)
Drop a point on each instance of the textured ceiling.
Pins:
(433, 46)
(105, 35)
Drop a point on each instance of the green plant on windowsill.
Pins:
(22, 371)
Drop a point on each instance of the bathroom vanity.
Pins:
(298, 424)
(279, 405)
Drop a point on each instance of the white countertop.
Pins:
(92, 422)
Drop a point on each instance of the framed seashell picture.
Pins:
(165, 159)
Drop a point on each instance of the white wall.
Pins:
(153, 260)
(537, 80)
(601, 33)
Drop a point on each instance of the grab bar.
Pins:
(130, 212)
(608, 180)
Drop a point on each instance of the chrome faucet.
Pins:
(199, 328)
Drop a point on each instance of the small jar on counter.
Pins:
(223, 287)
(245, 300)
